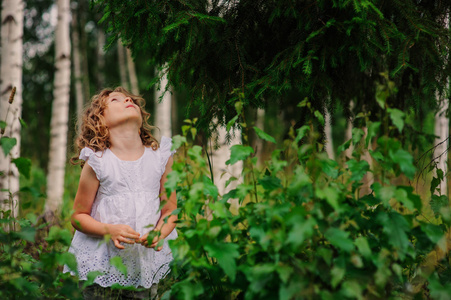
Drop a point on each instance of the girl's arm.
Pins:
(82, 220)
(171, 204)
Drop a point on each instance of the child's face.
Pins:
(121, 109)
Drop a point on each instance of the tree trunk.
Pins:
(442, 131)
(100, 59)
(328, 133)
(221, 171)
(259, 143)
(132, 73)
(348, 133)
(60, 113)
(12, 16)
(162, 111)
(441, 143)
(77, 67)
(122, 65)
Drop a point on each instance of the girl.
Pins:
(118, 199)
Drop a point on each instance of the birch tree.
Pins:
(122, 64)
(60, 112)
(222, 172)
(162, 111)
(133, 78)
(441, 131)
(11, 76)
(328, 134)
(77, 65)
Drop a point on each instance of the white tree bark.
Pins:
(132, 73)
(223, 172)
(12, 15)
(100, 58)
(348, 133)
(77, 67)
(442, 131)
(328, 133)
(60, 112)
(162, 111)
(122, 65)
(260, 123)
(441, 143)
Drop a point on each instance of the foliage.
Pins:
(283, 51)
(303, 231)
(30, 266)
(31, 254)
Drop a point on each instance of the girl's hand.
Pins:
(143, 241)
(121, 233)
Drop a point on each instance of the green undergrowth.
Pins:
(304, 228)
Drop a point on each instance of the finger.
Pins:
(118, 245)
(127, 240)
(159, 248)
(131, 235)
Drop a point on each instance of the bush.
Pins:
(303, 231)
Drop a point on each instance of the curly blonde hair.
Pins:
(93, 130)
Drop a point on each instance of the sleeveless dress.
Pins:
(128, 194)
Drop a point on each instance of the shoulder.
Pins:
(87, 153)
(165, 151)
(93, 159)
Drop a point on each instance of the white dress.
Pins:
(128, 194)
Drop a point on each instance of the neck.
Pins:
(126, 141)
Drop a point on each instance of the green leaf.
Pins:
(195, 153)
(397, 118)
(177, 142)
(270, 183)
(190, 290)
(302, 229)
(320, 117)
(358, 169)
(225, 253)
(373, 131)
(357, 135)
(337, 274)
(209, 187)
(395, 227)
(23, 165)
(405, 161)
(57, 234)
(352, 289)
(363, 246)
(239, 152)
(117, 262)
(384, 193)
(231, 123)
(330, 195)
(401, 196)
(433, 232)
(27, 233)
(7, 144)
(91, 277)
(2, 124)
(67, 258)
(264, 136)
(301, 133)
(437, 203)
(339, 239)
(23, 123)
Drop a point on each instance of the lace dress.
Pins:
(128, 194)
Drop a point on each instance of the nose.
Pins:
(128, 99)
